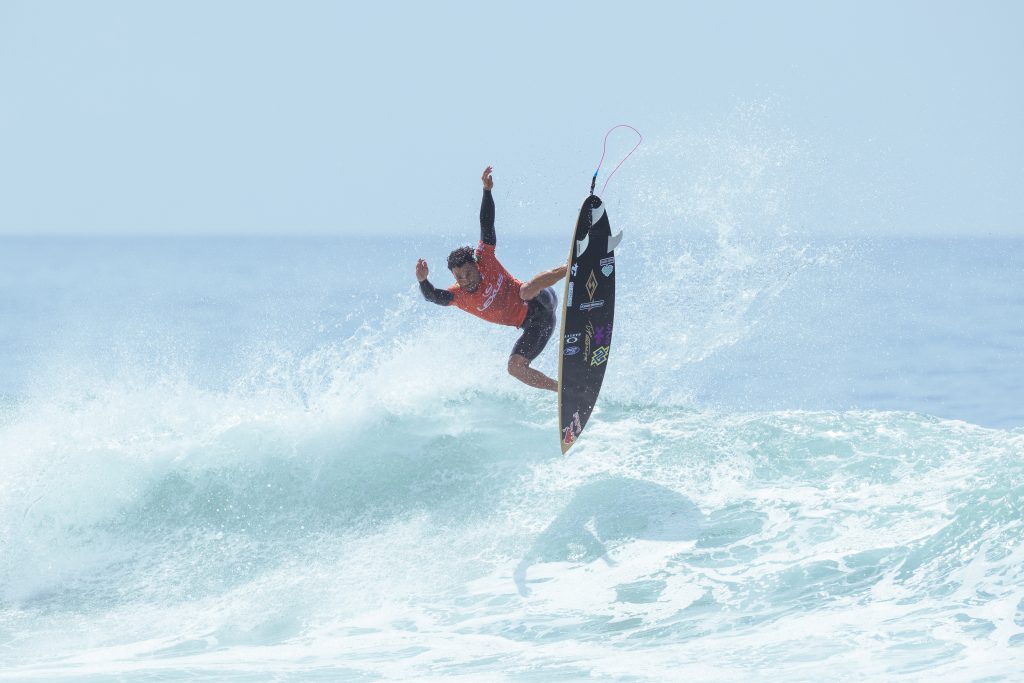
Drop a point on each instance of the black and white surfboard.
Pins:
(588, 312)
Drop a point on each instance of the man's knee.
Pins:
(517, 363)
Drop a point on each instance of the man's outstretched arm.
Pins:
(541, 281)
(487, 234)
(431, 293)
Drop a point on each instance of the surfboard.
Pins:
(588, 312)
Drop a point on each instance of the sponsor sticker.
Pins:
(572, 338)
(600, 355)
(586, 341)
(573, 269)
(588, 305)
(591, 285)
(572, 350)
(607, 266)
(573, 429)
(569, 296)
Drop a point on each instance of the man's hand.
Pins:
(486, 177)
(421, 270)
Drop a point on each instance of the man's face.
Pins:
(468, 277)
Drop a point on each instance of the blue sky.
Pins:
(324, 118)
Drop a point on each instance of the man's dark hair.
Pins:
(461, 257)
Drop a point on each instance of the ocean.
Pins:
(268, 459)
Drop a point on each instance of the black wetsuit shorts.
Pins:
(538, 324)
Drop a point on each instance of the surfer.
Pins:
(484, 288)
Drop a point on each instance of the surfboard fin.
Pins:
(613, 241)
(596, 213)
(581, 245)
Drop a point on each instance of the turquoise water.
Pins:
(254, 460)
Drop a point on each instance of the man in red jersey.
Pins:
(485, 289)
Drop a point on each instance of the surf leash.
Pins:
(604, 150)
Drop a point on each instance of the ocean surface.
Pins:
(268, 459)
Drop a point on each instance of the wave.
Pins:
(196, 521)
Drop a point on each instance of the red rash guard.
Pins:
(497, 298)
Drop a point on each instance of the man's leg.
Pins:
(519, 367)
(537, 329)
